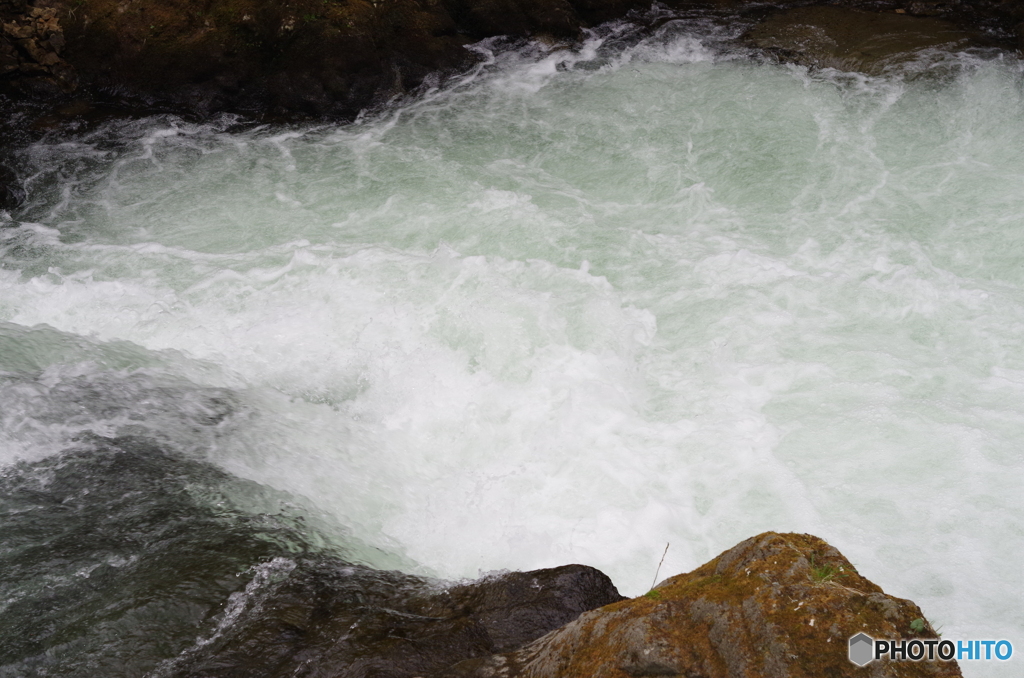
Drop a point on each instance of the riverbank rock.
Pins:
(124, 558)
(31, 45)
(327, 618)
(775, 606)
(315, 58)
(334, 58)
(854, 40)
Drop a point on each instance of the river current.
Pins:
(572, 307)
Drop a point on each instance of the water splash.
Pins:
(578, 305)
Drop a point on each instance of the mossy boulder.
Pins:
(774, 606)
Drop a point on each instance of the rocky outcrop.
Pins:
(263, 57)
(150, 568)
(775, 606)
(336, 57)
(826, 36)
(329, 618)
(305, 57)
(31, 47)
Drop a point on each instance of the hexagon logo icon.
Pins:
(862, 649)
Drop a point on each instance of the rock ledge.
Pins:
(774, 606)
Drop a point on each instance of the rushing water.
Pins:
(578, 305)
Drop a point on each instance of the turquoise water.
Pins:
(576, 306)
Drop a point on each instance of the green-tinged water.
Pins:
(579, 306)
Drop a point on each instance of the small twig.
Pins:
(659, 566)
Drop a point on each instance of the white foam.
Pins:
(583, 304)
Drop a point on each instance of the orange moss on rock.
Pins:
(776, 605)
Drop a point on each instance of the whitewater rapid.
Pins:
(575, 307)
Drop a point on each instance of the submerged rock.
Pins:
(117, 552)
(775, 606)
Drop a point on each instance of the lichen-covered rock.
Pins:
(775, 606)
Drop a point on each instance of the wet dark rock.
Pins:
(335, 58)
(113, 558)
(774, 606)
(12, 194)
(330, 618)
(31, 48)
(854, 40)
(485, 18)
(122, 558)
